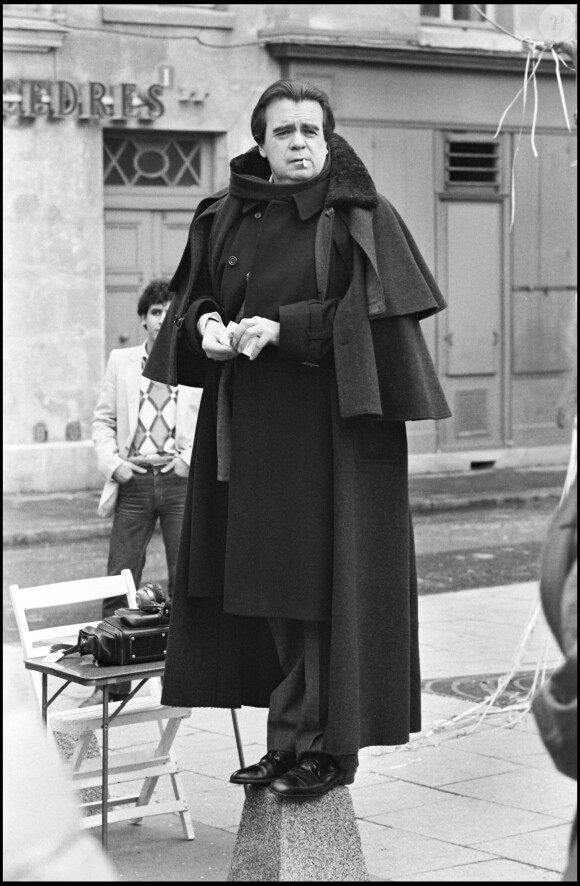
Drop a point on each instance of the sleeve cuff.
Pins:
(204, 320)
(190, 322)
(112, 466)
(185, 455)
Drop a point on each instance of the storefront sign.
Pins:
(87, 101)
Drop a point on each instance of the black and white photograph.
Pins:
(290, 442)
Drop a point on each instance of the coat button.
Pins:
(257, 215)
(232, 260)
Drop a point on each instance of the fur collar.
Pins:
(350, 182)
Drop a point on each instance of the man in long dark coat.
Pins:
(299, 297)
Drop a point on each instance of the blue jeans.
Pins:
(142, 501)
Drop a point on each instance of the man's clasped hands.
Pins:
(247, 337)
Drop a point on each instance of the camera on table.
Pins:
(151, 598)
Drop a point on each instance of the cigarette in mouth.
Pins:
(304, 162)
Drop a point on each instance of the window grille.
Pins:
(142, 160)
(472, 164)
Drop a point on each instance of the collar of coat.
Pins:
(350, 182)
(396, 280)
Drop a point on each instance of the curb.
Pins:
(65, 533)
(72, 532)
(483, 500)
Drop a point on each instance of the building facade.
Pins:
(119, 118)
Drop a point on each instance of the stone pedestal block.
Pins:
(298, 840)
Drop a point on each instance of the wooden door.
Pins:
(544, 287)
(471, 328)
(400, 161)
(139, 245)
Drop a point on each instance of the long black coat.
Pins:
(383, 372)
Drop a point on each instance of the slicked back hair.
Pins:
(296, 91)
(155, 293)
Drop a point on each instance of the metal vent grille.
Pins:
(471, 413)
(472, 164)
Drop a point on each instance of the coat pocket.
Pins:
(108, 499)
(380, 441)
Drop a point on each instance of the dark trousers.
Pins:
(142, 501)
(298, 712)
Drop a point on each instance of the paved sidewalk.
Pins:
(477, 800)
(465, 802)
(452, 805)
(37, 518)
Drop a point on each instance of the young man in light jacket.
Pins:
(143, 435)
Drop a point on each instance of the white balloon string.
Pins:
(560, 87)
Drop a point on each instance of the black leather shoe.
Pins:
(274, 764)
(313, 776)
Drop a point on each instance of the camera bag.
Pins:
(130, 636)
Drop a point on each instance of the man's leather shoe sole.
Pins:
(270, 767)
(312, 777)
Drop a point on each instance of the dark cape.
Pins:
(384, 376)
